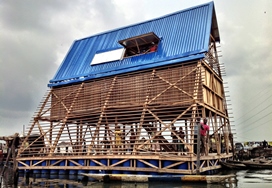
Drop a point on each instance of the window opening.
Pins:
(142, 44)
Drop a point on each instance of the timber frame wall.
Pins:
(130, 117)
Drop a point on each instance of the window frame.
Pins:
(141, 44)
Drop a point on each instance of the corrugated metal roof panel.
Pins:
(183, 35)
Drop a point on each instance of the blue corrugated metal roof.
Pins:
(184, 36)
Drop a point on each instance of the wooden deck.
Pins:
(127, 164)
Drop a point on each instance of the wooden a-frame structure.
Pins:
(124, 123)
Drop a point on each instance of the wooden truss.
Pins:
(132, 117)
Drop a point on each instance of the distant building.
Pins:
(64, 148)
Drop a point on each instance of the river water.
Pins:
(243, 179)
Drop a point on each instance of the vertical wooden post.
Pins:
(216, 137)
(198, 149)
(50, 134)
(186, 133)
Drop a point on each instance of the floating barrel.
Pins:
(53, 176)
(36, 171)
(28, 163)
(92, 163)
(62, 171)
(104, 162)
(113, 161)
(82, 163)
(37, 175)
(63, 176)
(72, 172)
(45, 171)
(155, 163)
(165, 164)
(183, 166)
(140, 164)
(45, 175)
(72, 177)
(53, 171)
(127, 164)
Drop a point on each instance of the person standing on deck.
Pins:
(132, 138)
(118, 134)
(204, 136)
(174, 137)
(181, 142)
(154, 142)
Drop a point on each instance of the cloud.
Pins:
(247, 57)
(36, 35)
(27, 57)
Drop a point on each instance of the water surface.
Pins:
(244, 179)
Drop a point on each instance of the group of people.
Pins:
(178, 144)
(201, 129)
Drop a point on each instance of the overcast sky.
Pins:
(36, 35)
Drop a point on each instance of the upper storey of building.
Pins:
(174, 38)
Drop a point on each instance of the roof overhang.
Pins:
(116, 71)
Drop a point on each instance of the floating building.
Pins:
(120, 100)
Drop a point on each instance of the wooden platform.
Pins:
(125, 164)
(137, 122)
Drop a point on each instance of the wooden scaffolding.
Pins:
(104, 123)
